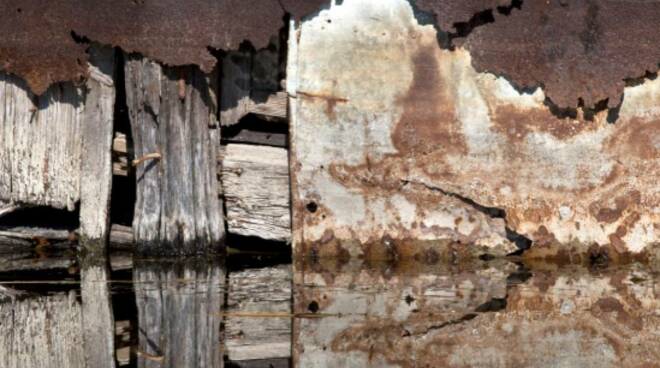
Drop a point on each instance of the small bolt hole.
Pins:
(313, 306)
(312, 207)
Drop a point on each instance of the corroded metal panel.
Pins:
(45, 41)
(493, 315)
(397, 142)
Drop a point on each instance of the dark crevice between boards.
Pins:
(253, 130)
(124, 308)
(250, 252)
(122, 199)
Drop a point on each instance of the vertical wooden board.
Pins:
(97, 127)
(143, 89)
(172, 111)
(259, 291)
(97, 315)
(179, 313)
(256, 182)
(40, 151)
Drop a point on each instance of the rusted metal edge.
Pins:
(45, 42)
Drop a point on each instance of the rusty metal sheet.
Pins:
(38, 37)
(413, 315)
(448, 13)
(397, 142)
(577, 50)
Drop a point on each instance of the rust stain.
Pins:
(330, 100)
(39, 39)
(603, 211)
(580, 51)
(516, 123)
(428, 123)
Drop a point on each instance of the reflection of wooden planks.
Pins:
(97, 314)
(178, 313)
(42, 331)
(260, 291)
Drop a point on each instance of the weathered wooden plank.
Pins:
(41, 331)
(256, 185)
(250, 83)
(97, 316)
(97, 126)
(40, 145)
(275, 107)
(177, 210)
(235, 87)
(253, 292)
(179, 313)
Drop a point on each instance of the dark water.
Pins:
(255, 310)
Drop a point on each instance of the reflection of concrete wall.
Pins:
(355, 316)
(395, 138)
(490, 316)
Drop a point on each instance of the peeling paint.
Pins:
(420, 128)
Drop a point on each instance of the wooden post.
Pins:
(96, 127)
(173, 121)
(179, 313)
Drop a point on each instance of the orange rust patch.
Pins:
(638, 138)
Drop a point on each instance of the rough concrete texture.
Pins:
(493, 315)
(394, 139)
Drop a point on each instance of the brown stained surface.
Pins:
(428, 118)
(457, 135)
(406, 314)
(37, 44)
(583, 49)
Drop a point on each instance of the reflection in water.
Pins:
(97, 317)
(345, 314)
(494, 315)
(179, 306)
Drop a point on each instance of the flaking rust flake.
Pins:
(419, 129)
